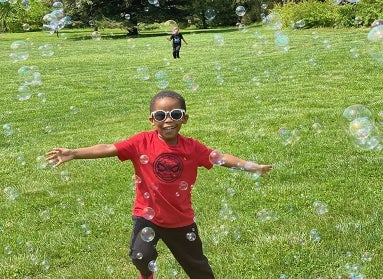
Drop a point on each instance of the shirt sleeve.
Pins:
(126, 149)
(202, 153)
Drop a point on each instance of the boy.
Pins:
(165, 164)
(176, 37)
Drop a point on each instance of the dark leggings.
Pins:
(184, 243)
(176, 51)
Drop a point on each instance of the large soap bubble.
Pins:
(375, 42)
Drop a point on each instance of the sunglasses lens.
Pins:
(176, 114)
(159, 115)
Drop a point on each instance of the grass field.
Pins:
(318, 214)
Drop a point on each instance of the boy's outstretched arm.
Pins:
(231, 161)
(62, 155)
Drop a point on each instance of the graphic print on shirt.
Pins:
(168, 167)
(177, 39)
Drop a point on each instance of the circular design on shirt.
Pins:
(167, 167)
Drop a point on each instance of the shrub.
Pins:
(312, 12)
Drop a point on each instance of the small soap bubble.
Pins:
(26, 27)
(139, 255)
(147, 234)
(240, 11)
(183, 185)
(216, 158)
(8, 250)
(65, 175)
(24, 93)
(109, 269)
(219, 39)
(143, 73)
(10, 193)
(8, 129)
(153, 266)
(148, 213)
(366, 257)
(96, 35)
(85, 229)
(210, 14)
(45, 265)
(45, 214)
(144, 159)
(320, 208)
(146, 195)
(73, 110)
(315, 236)
(317, 128)
(191, 236)
(230, 191)
(46, 50)
(41, 97)
(21, 159)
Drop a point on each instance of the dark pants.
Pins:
(176, 51)
(184, 243)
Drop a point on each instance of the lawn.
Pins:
(318, 214)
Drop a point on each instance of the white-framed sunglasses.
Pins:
(161, 115)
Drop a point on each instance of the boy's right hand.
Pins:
(58, 156)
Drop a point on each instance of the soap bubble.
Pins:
(315, 236)
(143, 73)
(10, 193)
(216, 158)
(148, 213)
(147, 234)
(26, 27)
(240, 11)
(19, 51)
(191, 236)
(210, 14)
(46, 50)
(219, 40)
(8, 129)
(153, 267)
(375, 42)
(320, 208)
(144, 159)
(273, 21)
(96, 35)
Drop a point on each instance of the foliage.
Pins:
(312, 12)
(14, 15)
(369, 11)
(328, 14)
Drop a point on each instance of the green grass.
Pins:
(263, 90)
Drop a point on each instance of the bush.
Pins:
(312, 12)
(327, 14)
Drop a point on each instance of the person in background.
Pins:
(177, 39)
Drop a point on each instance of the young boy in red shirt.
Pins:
(165, 164)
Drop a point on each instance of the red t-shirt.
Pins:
(165, 175)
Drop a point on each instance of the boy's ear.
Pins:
(151, 120)
(185, 119)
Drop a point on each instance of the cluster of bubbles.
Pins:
(360, 125)
(56, 19)
(30, 78)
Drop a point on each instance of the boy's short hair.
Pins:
(168, 94)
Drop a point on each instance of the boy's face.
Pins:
(169, 128)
